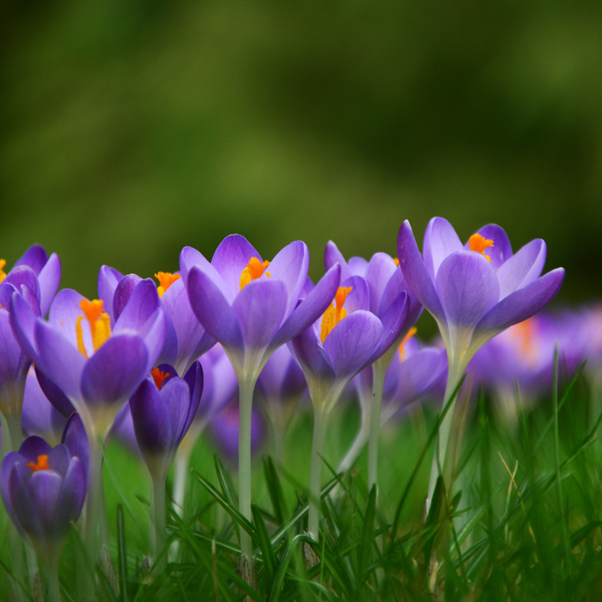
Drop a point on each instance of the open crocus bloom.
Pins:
(97, 363)
(249, 305)
(43, 489)
(476, 290)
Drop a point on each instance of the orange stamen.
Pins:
(525, 333)
(99, 321)
(2, 274)
(41, 464)
(479, 243)
(159, 376)
(335, 311)
(166, 279)
(402, 345)
(255, 269)
(396, 261)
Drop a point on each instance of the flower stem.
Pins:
(315, 475)
(52, 582)
(379, 370)
(157, 534)
(453, 379)
(246, 387)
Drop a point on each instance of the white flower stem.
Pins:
(157, 532)
(52, 582)
(379, 369)
(315, 476)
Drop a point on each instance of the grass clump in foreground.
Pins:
(521, 522)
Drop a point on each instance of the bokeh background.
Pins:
(129, 128)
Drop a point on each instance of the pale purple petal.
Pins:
(440, 241)
(23, 276)
(153, 335)
(114, 372)
(310, 309)
(394, 322)
(49, 279)
(213, 310)
(57, 356)
(123, 291)
(521, 304)
(108, 279)
(310, 355)
(10, 351)
(23, 321)
(352, 341)
(332, 255)
(467, 286)
(522, 268)
(38, 416)
(501, 250)
(260, 309)
(358, 266)
(395, 286)
(415, 273)
(53, 394)
(290, 266)
(359, 296)
(381, 269)
(231, 258)
(64, 312)
(35, 257)
(190, 258)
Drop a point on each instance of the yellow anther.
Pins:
(402, 345)
(159, 376)
(166, 279)
(2, 274)
(479, 243)
(41, 464)
(255, 269)
(99, 321)
(335, 311)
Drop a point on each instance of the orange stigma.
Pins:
(2, 274)
(255, 269)
(166, 279)
(99, 321)
(396, 261)
(41, 464)
(479, 243)
(525, 334)
(335, 311)
(402, 345)
(159, 376)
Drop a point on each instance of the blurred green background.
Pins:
(130, 128)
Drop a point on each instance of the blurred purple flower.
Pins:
(43, 489)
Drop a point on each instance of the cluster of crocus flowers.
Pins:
(156, 362)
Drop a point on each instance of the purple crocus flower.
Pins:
(252, 310)
(474, 291)
(39, 417)
(43, 490)
(163, 408)
(36, 277)
(185, 339)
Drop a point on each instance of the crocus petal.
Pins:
(49, 279)
(57, 356)
(25, 513)
(190, 258)
(8, 462)
(394, 322)
(114, 372)
(522, 268)
(140, 303)
(195, 379)
(415, 272)
(310, 355)
(35, 257)
(53, 394)
(381, 269)
(10, 351)
(108, 279)
(23, 321)
(152, 420)
(153, 335)
(23, 276)
(440, 240)
(359, 297)
(231, 258)
(123, 291)
(467, 286)
(418, 375)
(397, 284)
(33, 447)
(358, 266)
(332, 255)
(76, 441)
(308, 310)
(501, 250)
(43, 490)
(260, 309)
(213, 310)
(520, 305)
(71, 496)
(58, 459)
(176, 397)
(290, 266)
(352, 341)
(38, 416)
(64, 312)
